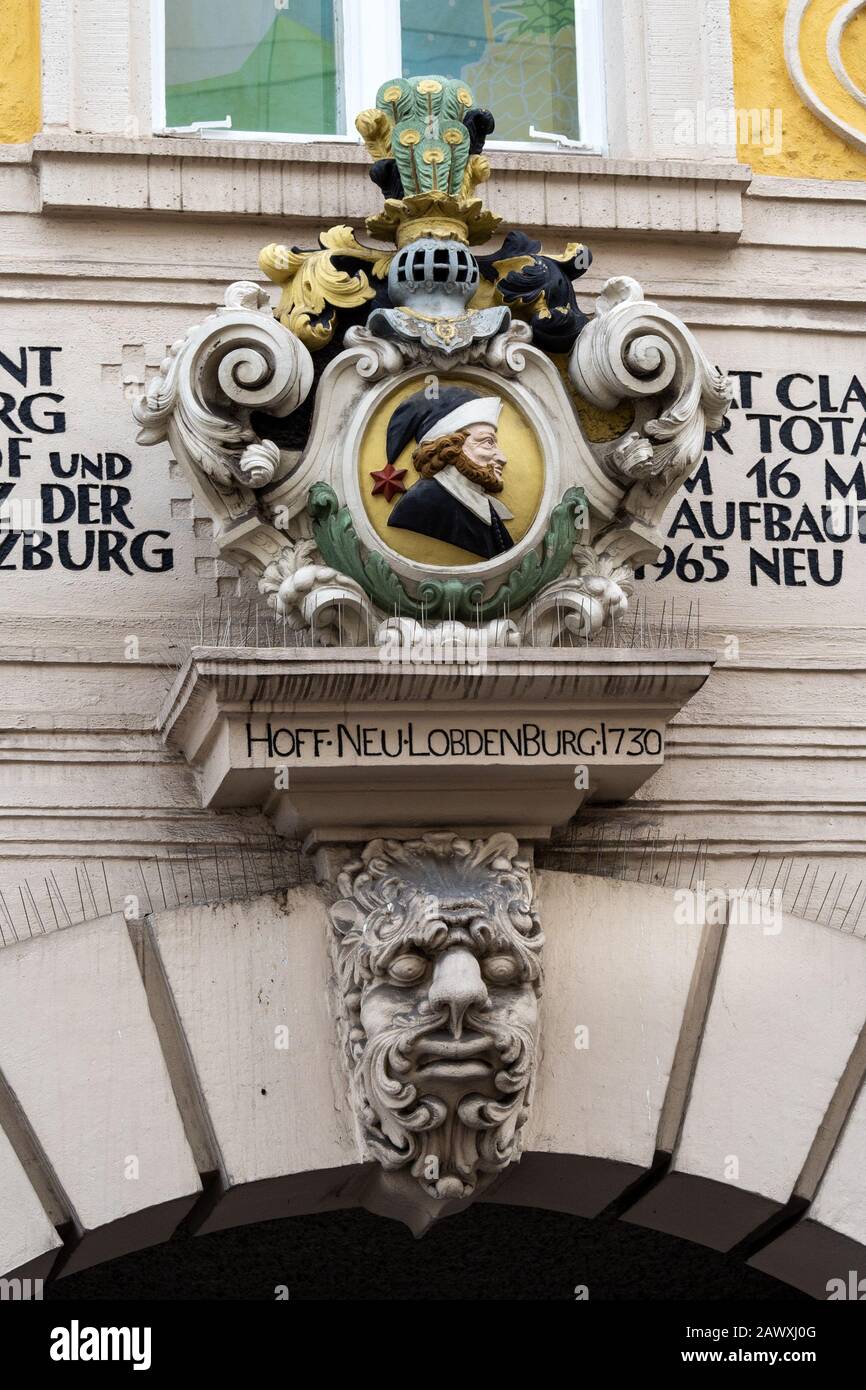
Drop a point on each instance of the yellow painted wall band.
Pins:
(20, 87)
(809, 149)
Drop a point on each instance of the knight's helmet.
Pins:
(427, 138)
(433, 277)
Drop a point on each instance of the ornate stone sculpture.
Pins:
(635, 350)
(313, 596)
(834, 103)
(363, 525)
(483, 467)
(437, 957)
(238, 361)
(430, 284)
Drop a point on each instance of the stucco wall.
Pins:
(766, 758)
(112, 249)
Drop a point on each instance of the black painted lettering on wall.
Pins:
(83, 518)
(799, 441)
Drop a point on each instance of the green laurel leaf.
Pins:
(439, 599)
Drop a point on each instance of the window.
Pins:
(270, 69)
(304, 68)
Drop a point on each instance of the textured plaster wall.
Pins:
(809, 148)
(19, 74)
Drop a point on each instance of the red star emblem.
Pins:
(389, 481)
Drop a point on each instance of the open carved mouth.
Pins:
(457, 1057)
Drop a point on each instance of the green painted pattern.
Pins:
(457, 599)
(429, 140)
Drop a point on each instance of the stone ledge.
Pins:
(807, 190)
(323, 183)
(387, 767)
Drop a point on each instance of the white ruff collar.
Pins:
(472, 495)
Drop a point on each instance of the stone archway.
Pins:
(190, 1070)
(492, 1252)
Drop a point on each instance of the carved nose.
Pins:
(457, 985)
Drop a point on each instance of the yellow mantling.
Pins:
(312, 284)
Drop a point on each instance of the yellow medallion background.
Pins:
(523, 477)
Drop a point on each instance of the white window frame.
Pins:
(370, 52)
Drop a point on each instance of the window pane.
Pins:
(517, 58)
(269, 67)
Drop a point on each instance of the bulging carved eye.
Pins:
(500, 970)
(408, 969)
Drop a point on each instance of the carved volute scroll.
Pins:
(633, 350)
(239, 361)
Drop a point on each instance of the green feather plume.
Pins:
(429, 141)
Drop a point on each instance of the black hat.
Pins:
(422, 419)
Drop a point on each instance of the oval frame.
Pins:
(487, 572)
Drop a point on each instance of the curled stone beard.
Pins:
(447, 1145)
(394, 1111)
(438, 1129)
(497, 1120)
(482, 474)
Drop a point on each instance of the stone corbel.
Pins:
(634, 350)
(436, 946)
(240, 360)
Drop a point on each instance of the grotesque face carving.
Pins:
(438, 959)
